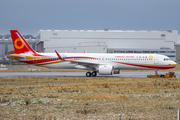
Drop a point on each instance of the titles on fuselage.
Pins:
(137, 57)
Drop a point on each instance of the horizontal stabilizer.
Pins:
(16, 57)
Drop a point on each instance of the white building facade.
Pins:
(102, 41)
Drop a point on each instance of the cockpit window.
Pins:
(167, 59)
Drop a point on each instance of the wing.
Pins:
(92, 65)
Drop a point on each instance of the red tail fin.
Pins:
(20, 45)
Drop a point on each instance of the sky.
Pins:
(29, 16)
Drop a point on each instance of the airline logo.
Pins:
(150, 57)
(18, 43)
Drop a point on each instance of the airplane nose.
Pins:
(174, 63)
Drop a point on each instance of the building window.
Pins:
(154, 51)
(163, 35)
(162, 51)
(129, 51)
(54, 33)
(171, 55)
(120, 51)
(171, 51)
(137, 51)
(146, 51)
(110, 51)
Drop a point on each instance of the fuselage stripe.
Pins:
(150, 66)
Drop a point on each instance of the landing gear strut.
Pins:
(89, 74)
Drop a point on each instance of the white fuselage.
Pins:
(118, 61)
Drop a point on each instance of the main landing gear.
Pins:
(89, 74)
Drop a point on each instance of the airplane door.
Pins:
(156, 59)
(101, 59)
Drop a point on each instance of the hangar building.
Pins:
(110, 41)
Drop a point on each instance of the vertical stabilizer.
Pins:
(19, 43)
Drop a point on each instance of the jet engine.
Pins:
(106, 70)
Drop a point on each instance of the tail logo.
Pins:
(18, 43)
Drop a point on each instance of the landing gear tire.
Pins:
(88, 74)
(94, 74)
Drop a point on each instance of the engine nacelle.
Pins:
(106, 70)
(116, 71)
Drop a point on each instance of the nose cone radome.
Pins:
(174, 64)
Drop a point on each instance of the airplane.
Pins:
(101, 63)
